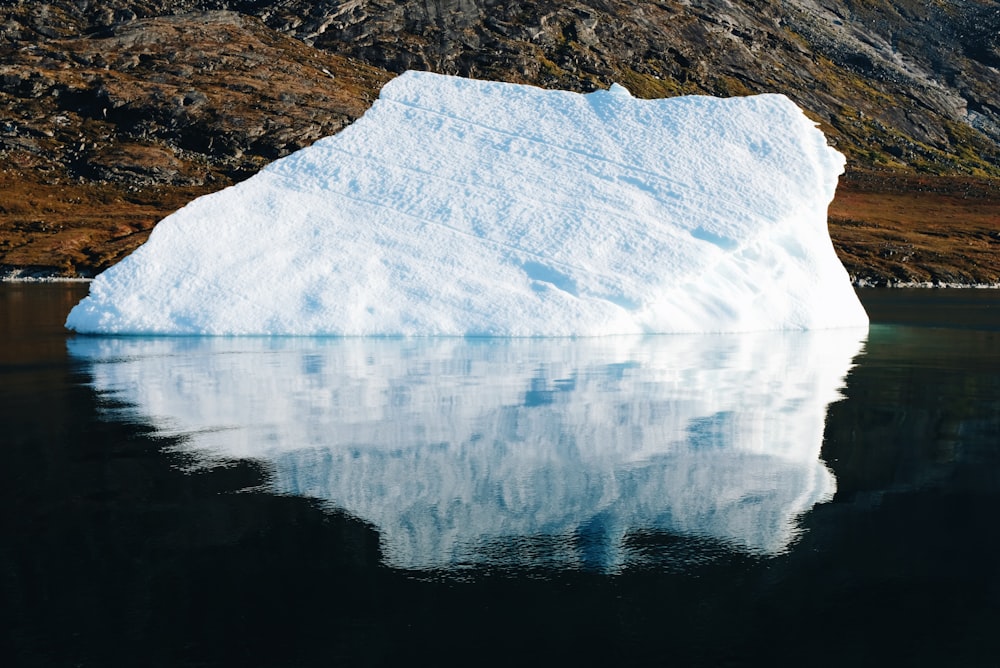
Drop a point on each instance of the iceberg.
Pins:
(507, 452)
(474, 208)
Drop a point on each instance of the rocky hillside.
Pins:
(115, 113)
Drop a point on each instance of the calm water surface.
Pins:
(779, 499)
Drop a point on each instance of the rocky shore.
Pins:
(116, 113)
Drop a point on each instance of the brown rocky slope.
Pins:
(116, 113)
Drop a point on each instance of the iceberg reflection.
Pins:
(465, 451)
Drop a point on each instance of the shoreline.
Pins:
(858, 284)
(44, 279)
(923, 285)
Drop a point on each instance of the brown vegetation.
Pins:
(908, 229)
(77, 229)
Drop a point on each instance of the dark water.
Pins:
(765, 500)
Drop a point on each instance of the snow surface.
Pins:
(459, 450)
(463, 207)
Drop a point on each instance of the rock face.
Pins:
(907, 82)
(176, 100)
(126, 102)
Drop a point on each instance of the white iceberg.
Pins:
(508, 452)
(463, 207)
